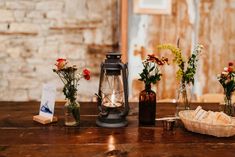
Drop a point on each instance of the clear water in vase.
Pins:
(72, 113)
(183, 98)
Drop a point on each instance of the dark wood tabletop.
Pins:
(21, 136)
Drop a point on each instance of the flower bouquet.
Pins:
(185, 74)
(147, 98)
(70, 77)
(227, 80)
(151, 72)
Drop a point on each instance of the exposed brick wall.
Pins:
(33, 33)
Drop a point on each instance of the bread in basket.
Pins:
(211, 123)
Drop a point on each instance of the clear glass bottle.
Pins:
(147, 106)
(228, 106)
(183, 99)
(72, 113)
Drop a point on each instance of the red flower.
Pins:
(61, 60)
(86, 74)
(60, 63)
(230, 64)
(230, 69)
(151, 58)
(157, 60)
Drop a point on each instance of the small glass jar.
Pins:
(147, 106)
(183, 99)
(228, 105)
(72, 113)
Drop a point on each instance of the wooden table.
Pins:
(21, 136)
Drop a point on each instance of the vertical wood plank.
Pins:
(124, 29)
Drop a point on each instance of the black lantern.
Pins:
(113, 92)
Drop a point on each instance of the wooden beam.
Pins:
(18, 33)
(124, 29)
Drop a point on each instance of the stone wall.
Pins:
(34, 33)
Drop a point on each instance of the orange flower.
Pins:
(60, 63)
(230, 69)
(230, 66)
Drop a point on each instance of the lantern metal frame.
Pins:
(112, 116)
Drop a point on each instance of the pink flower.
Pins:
(86, 74)
(61, 62)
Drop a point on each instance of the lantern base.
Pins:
(111, 121)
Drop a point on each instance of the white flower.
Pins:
(225, 73)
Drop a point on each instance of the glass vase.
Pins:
(228, 106)
(72, 113)
(183, 98)
(147, 106)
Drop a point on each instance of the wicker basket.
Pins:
(206, 128)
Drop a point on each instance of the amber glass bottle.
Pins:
(147, 106)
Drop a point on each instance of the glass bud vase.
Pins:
(183, 99)
(72, 113)
(228, 106)
(147, 106)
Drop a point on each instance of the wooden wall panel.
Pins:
(209, 22)
(217, 35)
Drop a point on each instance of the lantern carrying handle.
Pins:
(99, 97)
(125, 83)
